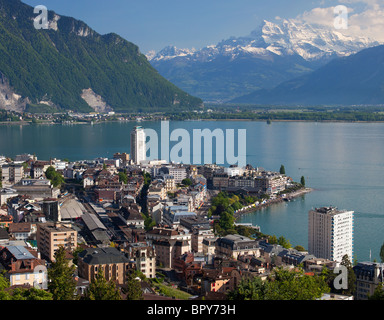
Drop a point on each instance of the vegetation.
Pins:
(169, 291)
(187, 182)
(123, 177)
(132, 288)
(101, 289)
(62, 285)
(378, 293)
(20, 293)
(56, 178)
(282, 284)
(61, 64)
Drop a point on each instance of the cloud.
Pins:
(368, 22)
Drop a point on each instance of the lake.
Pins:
(343, 162)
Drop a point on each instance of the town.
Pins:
(167, 229)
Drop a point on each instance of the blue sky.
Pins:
(154, 24)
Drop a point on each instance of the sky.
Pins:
(155, 24)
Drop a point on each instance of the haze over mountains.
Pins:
(71, 67)
(269, 56)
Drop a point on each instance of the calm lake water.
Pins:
(343, 162)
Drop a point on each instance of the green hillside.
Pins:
(57, 64)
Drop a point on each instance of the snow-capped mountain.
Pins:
(269, 55)
(287, 38)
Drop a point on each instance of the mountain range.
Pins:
(69, 66)
(270, 55)
(354, 80)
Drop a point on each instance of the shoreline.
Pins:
(217, 120)
(291, 195)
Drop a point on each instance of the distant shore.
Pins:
(24, 123)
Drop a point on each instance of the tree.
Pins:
(382, 253)
(123, 177)
(282, 284)
(284, 242)
(4, 283)
(62, 285)
(282, 169)
(31, 294)
(248, 289)
(56, 178)
(272, 239)
(187, 182)
(299, 248)
(302, 181)
(101, 289)
(295, 285)
(378, 294)
(132, 287)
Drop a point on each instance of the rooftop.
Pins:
(20, 252)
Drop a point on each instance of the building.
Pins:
(50, 236)
(368, 276)
(37, 189)
(167, 250)
(221, 280)
(5, 221)
(6, 194)
(173, 214)
(51, 210)
(39, 168)
(131, 216)
(23, 266)
(22, 230)
(109, 260)
(198, 235)
(138, 145)
(143, 257)
(330, 233)
(234, 245)
(12, 173)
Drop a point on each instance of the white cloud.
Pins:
(367, 23)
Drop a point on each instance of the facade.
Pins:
(167, 251)
(368, 277)
(144, 258)
(22, 230)
(109, 260)
(50, 236)
(51, 210)
(23, 266)
(138, 146)
(198, 235)
(220, 280)
(12, 173)
(330, 233)
(235, 245)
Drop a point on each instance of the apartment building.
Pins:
(368, 277)
(143, 257)
(330, 233)
(12, 173)
(50, 236)
(109, 260)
